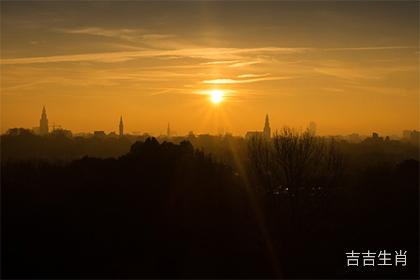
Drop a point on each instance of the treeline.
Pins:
(22, 144)
(161, 210)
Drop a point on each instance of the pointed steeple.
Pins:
(168, 131)
(43, 122)
(267, 129)
(121, 127)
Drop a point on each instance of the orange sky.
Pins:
(348, 66)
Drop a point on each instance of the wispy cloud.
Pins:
(226, 92)
(253, 75)
(126, 34)
(384, 90)
(157, 36)
(235, 56)
(350, 74)
(203, 53)
(130, 36)
(220, 62)
(233, 81)
(362, 73)
(372, 48)
(244, 63)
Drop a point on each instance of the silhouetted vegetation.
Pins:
(289, 206)
(22, 144)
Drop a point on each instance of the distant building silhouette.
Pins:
(112, 134)
(191, 136)
(354, 138)
(19, 131)
(99, 134)
(375, 139)
(412, 136)
(121, 127)
(60, 132)
(168, 131)
(267, 129)
(252, 134)
(35, 130)
(43, 123)
(266, 133)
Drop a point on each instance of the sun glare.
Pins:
(216, 96)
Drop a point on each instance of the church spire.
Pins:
(168, 131)
(43, 122)
(121, 127)
(267, 129)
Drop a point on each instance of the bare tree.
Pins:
(295, 164)
(260, 152)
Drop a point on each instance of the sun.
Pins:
(216, 96)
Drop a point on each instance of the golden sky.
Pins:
(348, 66)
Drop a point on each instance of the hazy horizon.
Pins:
(162, 131)
(350, 67)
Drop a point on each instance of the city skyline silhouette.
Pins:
(43, 129)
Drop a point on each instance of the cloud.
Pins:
(157, 36)
(133, 36)
(126, 34)
(220, 62)
(219, 55)
(233, 81)
(350, 74)
(203, 53)
(384, 90)
(253, 75)
(375, 48)
(246, 63)
(226, 92)
(362, 73)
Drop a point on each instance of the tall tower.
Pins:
(267, 129)
(168, 131)
(121, 127)
(43, 123)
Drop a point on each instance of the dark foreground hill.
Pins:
(167, 211)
